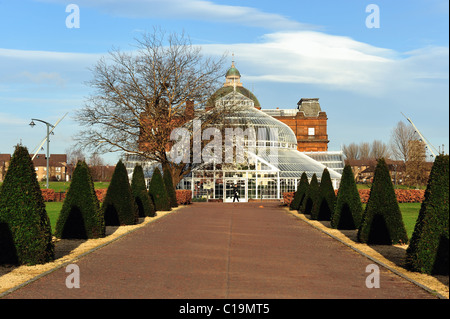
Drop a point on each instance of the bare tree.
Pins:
(416, 164)
(351, 151)
(401, 136)
(379, 150)
(364, 151)
(74, 155)
(96, 164)
(142, 95)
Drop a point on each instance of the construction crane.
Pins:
(428, 144)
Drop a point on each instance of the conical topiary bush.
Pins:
(324, 206)
(382, 221)
(158, 193)
(428, 249)
(300, 193)
(22, 212)
(348, 209)
(311, 196)
(119, 207)
(81, 216)
(8, 252)
(140, 193)
(167, 177)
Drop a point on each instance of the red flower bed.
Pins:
(403, 196)
(48, 194)
(184, 196)
(51, 196)
(410, 195)
(101, 193)
(288, 197)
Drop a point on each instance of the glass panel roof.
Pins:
(245, 115)
(293, 163)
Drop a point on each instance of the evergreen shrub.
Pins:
(300, 193)
(141, 196)
(429, 245)
(324, 206)
(382, 221)
(348, 209)
(158, 193)
(24, 220)
(311, 196)
(80, 216)
(168, 183)
(119, 207)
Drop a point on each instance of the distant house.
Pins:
(363, 170)
(57, 167)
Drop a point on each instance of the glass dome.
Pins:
(239, 112)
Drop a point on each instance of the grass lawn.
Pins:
(63, 186)
(53, 209)
(410, 212)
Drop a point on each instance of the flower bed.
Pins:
(101, 193)
(403, 196)
(51, 196)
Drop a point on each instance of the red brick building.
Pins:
(308, 122)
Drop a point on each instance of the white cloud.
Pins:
(202, 10)
(335, 62)
(43, 68)
(9, 119)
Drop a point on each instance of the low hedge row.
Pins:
(184, 196)
(403, 196)
(51, 196)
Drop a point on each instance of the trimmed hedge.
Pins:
(158, 193)
(300, 193)
(81, 216)
(141, 197)
(382, 221)
(429, 245)
(119, 207)
(348, 209)
(184, 196)
(167, 178)
(323, 208)
(23, 217)
(403, 196)
(311, 196)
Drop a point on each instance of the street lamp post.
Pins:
(32, 124)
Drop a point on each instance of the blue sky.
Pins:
(285, 50)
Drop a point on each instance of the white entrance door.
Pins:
(229, 188)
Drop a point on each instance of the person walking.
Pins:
(236, 193)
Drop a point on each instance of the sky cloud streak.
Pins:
(192, 10)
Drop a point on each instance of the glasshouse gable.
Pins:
(252, 151)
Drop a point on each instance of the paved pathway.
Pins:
(216, 250)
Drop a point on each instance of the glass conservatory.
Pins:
(271, 164)
(260, 158)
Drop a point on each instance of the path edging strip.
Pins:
(47, 272)
(393, 270)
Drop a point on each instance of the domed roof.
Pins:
(267, 128)
(228, 89)
(233, 72)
